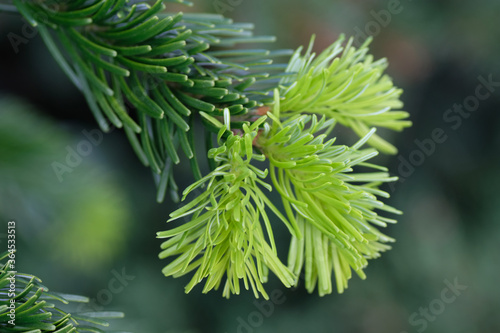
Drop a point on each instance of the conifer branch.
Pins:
(345, 84)
(148, 71)
(332, 205)
(28, 306)
(225, 235)
(154, 73)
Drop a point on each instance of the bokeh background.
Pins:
(100, 220)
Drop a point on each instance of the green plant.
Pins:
(155, 73)
(28, 306)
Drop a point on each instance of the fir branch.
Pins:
(147, 70)
(225, 235)
(333, 207)
(345, 84)
(153, 73)
(37, 310)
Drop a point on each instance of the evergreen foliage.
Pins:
(154, 73)
(38, 311)
(225, 234)
(346, 84)
(331, 205)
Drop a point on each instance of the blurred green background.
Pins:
(99, 220)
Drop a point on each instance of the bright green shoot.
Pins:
(157, 74)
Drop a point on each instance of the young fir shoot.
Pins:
(150, 72)
(344, 83)
(154, 73)
(226, 235)
(332, 206)
(37, 310)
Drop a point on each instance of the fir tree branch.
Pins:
(333, 206)
(154, 73)
(225, 235)
(36, 310)
(144, 69)
(344, 83)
